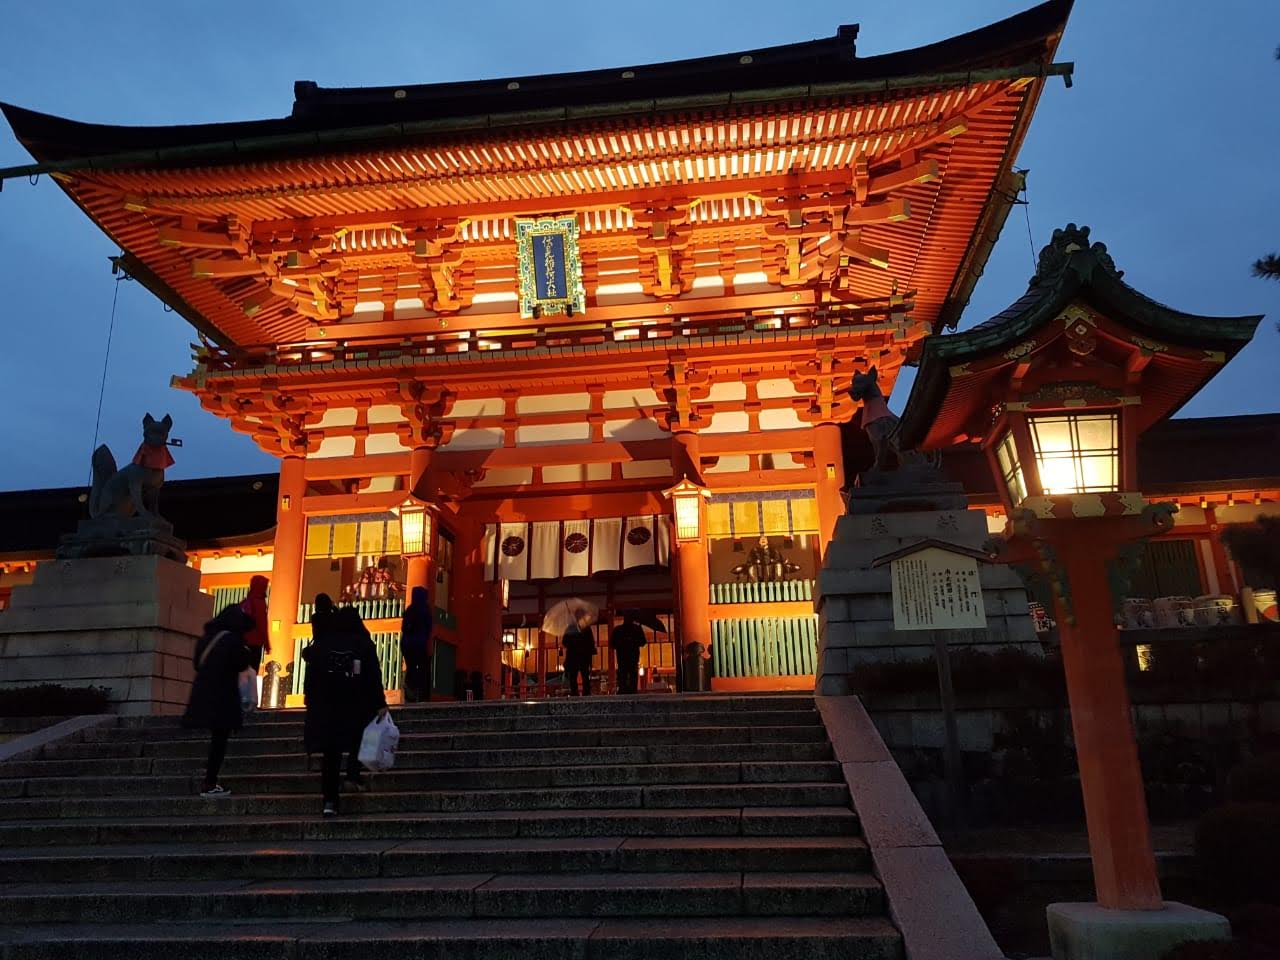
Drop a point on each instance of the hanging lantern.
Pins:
(1070, 453)
(415, 529)
(686, 504)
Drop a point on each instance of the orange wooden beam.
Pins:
(925, 171)
(352, 503)
(650, 309)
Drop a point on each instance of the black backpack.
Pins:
(338, 664)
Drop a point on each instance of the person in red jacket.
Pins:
(258, 637)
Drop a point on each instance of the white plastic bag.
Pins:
(378, 745)
(249, 689)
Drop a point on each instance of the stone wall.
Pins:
(125, 623)
(854, 600)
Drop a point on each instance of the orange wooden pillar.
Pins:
(692, 560)
(1075, 552)
(288, 551)
(828, 459)
(694, 584)
(478, 606)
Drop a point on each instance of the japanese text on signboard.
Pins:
(937, 590)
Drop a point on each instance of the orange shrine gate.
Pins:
(589, 334)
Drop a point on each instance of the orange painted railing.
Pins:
(686, 325)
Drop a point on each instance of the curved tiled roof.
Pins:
(1020, 39)
(1069, 268)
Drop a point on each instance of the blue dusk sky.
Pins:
(1167, 146)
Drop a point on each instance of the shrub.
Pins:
(1237, 848)
(973, 673)
(1257, 780)
(1207, 950)
(1258, 924)
(52, 700)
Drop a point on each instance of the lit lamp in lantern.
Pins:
(1056, 391)
(415, 529)
(1069, 453)
(415, 543)
(686, 504)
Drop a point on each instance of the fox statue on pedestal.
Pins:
(135, 489)
(883, 426)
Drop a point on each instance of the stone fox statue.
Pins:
(878, 420)
(136, 488)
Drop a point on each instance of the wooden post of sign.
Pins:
(952, 761)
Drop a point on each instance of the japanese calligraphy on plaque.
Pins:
(550, 268)
(934, 589)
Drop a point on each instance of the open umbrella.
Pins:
(646, 618)
(566, 612)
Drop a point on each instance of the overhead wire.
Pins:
(119, 275)
(1026, 210)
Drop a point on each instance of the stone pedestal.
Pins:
(854, 599)
(1086, 931)
(127, 623)
(113, 536)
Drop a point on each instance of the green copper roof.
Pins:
(1069, 269)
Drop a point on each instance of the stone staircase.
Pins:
(695, 827)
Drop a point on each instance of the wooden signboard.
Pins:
(935, 589)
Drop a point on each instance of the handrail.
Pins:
(626, 334)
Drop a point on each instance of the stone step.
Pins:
(416, 780)
(413, 724)
(610, 706)
(632, 938)
(295, 760)
(222, 826)
(567, 798)
(456, 896)
(197, 746)
(393, 858)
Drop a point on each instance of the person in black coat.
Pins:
(626, 640)
(344, 693)
(323, 614)
(415, 647)
(220, 656)
(579, 651)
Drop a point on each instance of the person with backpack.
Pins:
(343, 694)
(258, 639)
(323, 614)
(415, 647)
(220, 656)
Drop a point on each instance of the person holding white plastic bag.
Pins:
(378, 745)
(215, 705)
(344, 692)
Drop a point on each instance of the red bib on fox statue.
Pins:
(153, 457)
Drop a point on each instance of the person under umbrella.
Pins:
(626, 640)
(580, 649)
(571, 621)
